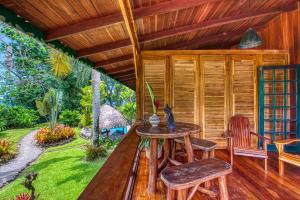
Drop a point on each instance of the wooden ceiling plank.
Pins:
(204, 40)
(120, 69)
(126, 73)
(187, 28)
(104, 21)
(213, 23)
(113, 60)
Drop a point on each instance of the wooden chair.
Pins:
(286, 157)
(239, 140)
(186, 179)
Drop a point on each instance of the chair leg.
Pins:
(223, 188)
(281, 167)
(182, 194)
(170, 194)
(266, 165)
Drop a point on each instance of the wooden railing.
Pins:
(115, 179)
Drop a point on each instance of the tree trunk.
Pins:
(96, 107)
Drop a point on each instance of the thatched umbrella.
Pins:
(111, 118)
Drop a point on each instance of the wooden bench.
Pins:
(286, 157)
(206, 146)
(181, 178)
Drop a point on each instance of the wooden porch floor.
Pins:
(248, 180)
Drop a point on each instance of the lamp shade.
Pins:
(250, 39)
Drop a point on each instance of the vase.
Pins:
(154, 120)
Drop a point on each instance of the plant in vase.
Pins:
(145, 144)
(153, 119)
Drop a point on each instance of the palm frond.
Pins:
(60, 63)
(150, 89)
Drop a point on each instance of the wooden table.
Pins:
(162, 132)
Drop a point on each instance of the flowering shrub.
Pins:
(59, 133)
(5, 146)
(23, 196)
(92, 153)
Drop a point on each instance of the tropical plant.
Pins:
(93, 153)
(16, 117)
(86, 103)
(60, 63)
(59, 133)
(23, 196)
(28, 183)
(70, 117)
(5, 146)
(154, 101)
(50, 105)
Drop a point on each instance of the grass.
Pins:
(15, 135)
(62, 173)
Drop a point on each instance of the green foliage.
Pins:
(31, 75)
(16, 117)
(92, 153)
(50, 105)
(70, 117)
(59, 133)
(86, 103)
(108, 143)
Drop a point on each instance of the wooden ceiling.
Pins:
(96, 28)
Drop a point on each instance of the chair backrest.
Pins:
(239, 127)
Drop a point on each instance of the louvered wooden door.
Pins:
(154, 71)
(213, 100)
(184, 88)
(244, 87)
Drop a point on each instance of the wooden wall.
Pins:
(283, 32)
(205, 87)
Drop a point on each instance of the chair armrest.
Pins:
(288, 141)
(261, 137)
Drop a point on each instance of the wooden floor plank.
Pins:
(247, 181)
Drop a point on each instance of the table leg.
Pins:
(152, 166)
(166, 154)
(189, 148)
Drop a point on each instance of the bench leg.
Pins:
(281, 167)
(266, 165)
(182, 194)
(212, 154)
(204, 155)
(223, 188)
(170, 194)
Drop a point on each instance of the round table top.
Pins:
(162, 131)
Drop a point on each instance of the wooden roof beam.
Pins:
(113, 60)
(131, 29)
(126, 73)
(103, 21)
(120, 69)
(103, 47)
(213, 23)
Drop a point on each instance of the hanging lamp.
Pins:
(250, 39)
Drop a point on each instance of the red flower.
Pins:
(156, 104)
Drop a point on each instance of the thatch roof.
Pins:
(111, 118)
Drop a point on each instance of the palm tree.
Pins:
(96, 107)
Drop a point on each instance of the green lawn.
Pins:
(15, 135)
(62, 173)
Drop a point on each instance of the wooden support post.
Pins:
(152, 166)
(223, 188)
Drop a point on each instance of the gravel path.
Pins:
(28, 152)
